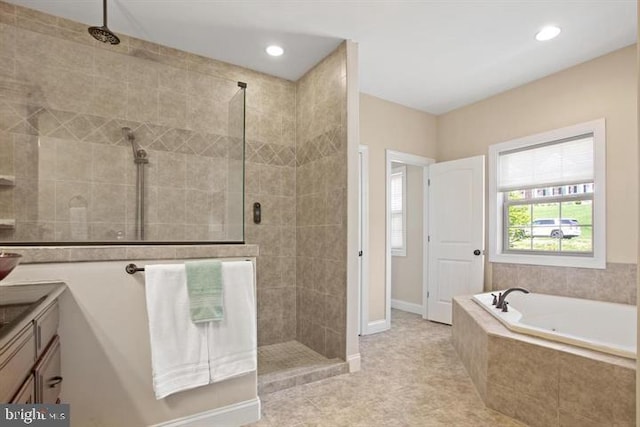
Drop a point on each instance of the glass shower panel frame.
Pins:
(70, 177)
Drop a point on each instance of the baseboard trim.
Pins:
(377, 326)
(406, 306)
(235, 415)
(354, 362)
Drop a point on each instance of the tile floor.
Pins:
(411, 376)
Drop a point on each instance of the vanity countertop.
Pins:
(20, 304)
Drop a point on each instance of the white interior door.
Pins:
(456, 233)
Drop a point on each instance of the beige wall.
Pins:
(604, 87)
(385, 125)
(406, 271)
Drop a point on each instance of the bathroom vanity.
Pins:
(29, 343)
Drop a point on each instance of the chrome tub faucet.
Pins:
(501, 303)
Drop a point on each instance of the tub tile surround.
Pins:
(539, 382)
(321, 206)
(617, 283)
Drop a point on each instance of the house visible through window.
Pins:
(547, 200)
(398, 210)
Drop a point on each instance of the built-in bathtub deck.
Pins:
(540, 382)
(291, 363)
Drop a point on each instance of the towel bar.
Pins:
(132, 268)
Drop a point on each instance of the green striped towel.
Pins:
(204, 284)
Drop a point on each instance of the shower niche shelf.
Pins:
(6, 224)
(7, 180)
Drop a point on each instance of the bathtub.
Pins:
(602, 326)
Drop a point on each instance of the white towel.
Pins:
(179, 353)
(186, 355)
(233, 341)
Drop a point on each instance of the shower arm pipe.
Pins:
(104, 13)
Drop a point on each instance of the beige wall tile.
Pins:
(108, 203)
(596, 390)
(171, 205)
(142, 103)
(198, 207)
(172, 108)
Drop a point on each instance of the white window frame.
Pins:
(496, 221)
(401, 251)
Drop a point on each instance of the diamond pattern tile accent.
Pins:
(45, 122)
(8, 117)
(80, 126)
(35, 120)
(172, 140)
(198, 143)
(96, 121)
(144, 136)
(186, 149)
(62, 133)
(266, 153)
(65, 116)
(24, 128)
(158, 146)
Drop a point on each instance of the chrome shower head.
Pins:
(104, 34)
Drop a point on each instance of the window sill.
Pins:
(398, 252)
(550, 260)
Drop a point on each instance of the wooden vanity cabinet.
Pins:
(16, 361)
(46, 327)
(48, 380)
(27, 393)
(30, 362)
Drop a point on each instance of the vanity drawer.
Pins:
(26, 395)
(46, 326)
(48, 374)
(16, 360)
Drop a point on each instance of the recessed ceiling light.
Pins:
(547, 33)
(274, 50)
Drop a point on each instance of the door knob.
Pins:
(477, 252)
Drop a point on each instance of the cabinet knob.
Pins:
(54, 381)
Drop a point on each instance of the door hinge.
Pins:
(428, 181)
(428, 238)
(427, 294)
(360, 253)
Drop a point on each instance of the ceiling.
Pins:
(433, 55)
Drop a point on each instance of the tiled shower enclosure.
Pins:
(67, 173)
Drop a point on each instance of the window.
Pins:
(398, 210)
(547, 201)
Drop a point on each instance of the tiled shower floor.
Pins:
(291, 363)
(286, 355)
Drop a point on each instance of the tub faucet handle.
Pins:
(498, 303)
(495, 299)
(505, 306)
